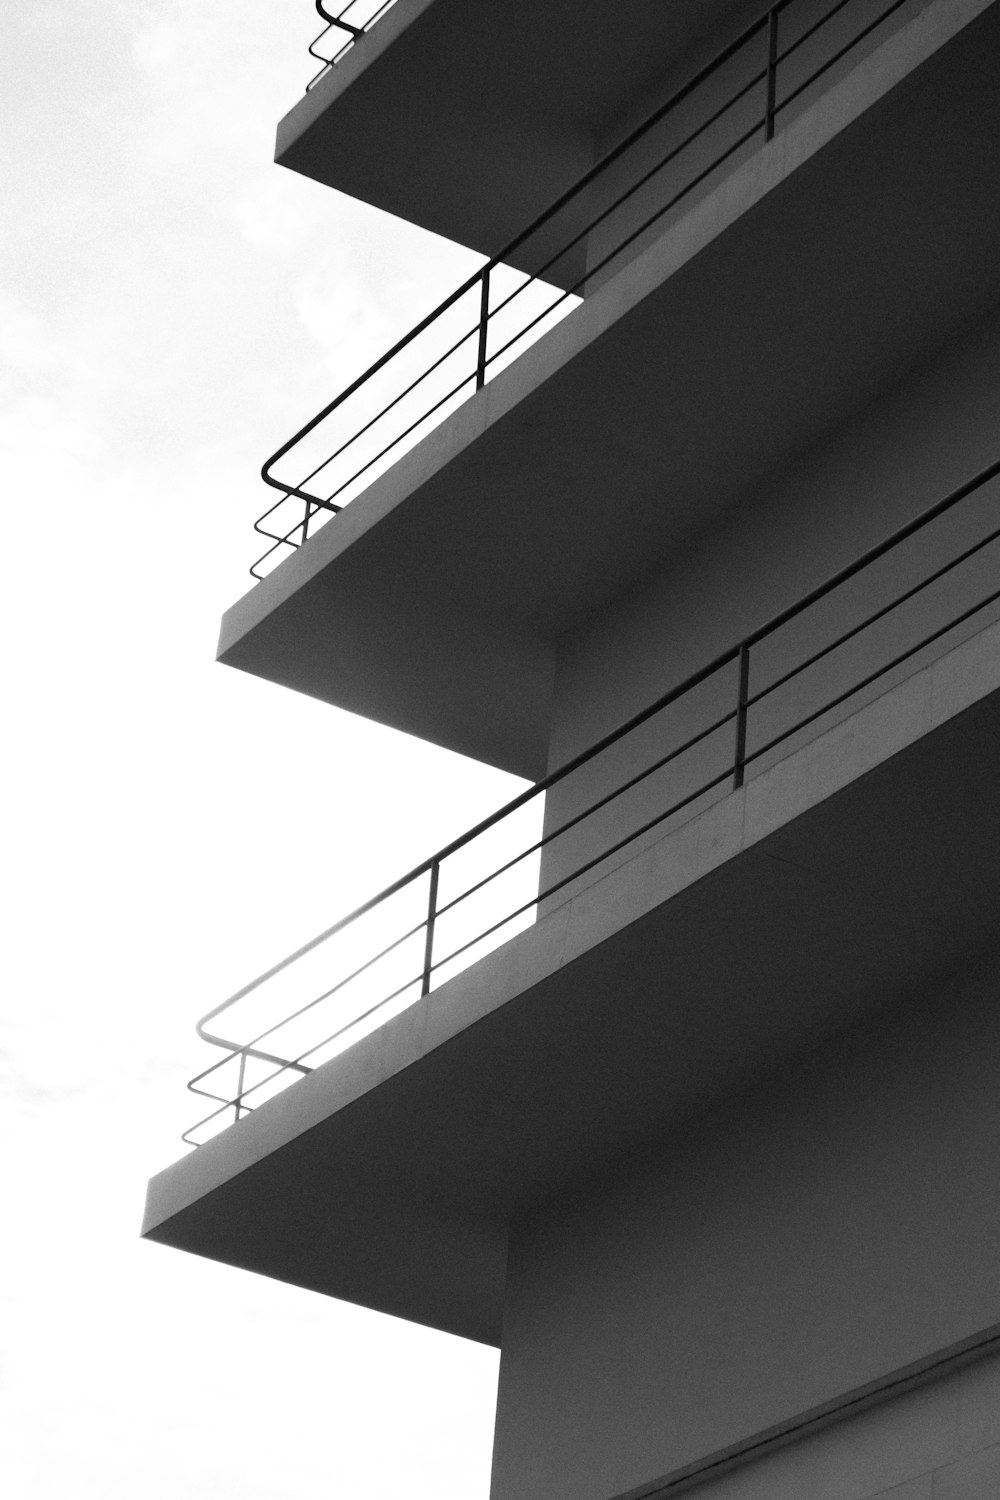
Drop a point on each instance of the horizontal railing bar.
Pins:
(646, 827)
(775, 623)
(306, 948)
(317, 1047)
(286, 1020)
(246, 1049)
(540, 219)
(538, 789)
(872, 619)
(298, 1063)
(341, 983)
(355, 385)
(595, 807)
(519, 911)
(584, 869)
(890, 666)
(924, 518)
(286, 539)
(843, 51)
(364, 1016)
(400, 437)
(571, 291)
(666, 207)
(810, 31)
(618, 249)
(694, 680)
(725, 54)
(393, 403)
(623, 198)
(581, 870)
(356, 33)
(631, 139)
(540, 317)
(843, 575)
(634, 188)
(714, 781)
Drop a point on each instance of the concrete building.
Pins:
(679, 1080)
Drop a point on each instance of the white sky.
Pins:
(172, 306)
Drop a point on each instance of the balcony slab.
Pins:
(470, 119)
(388, 1176)
(434, 602)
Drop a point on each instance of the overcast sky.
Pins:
(172, 307)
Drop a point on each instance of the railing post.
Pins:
(305, 523)
(741, 717)
(772, 71)
(239, 1086)
(429, 938)
(484, 315)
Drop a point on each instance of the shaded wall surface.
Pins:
(833, 1225)
(890, 462)
(719, 123)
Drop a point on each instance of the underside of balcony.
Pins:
(842, 255)
(470, 119)
(389, 1175)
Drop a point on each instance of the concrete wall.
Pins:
(736, 119)
(829, 1227)
(938, 1442)
(894, 459)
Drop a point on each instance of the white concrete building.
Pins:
(679, 1080)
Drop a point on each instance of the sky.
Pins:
(172, 306)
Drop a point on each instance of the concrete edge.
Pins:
(686, 854)
(361, 58)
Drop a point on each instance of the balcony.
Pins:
(343, 28)
(441, 1080)
(517, 100)
(552, 483)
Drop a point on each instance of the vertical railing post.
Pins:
(305, 523)
(237, 1102)
(741, 716)
(772, 71)
(484, 315)
(429, 937)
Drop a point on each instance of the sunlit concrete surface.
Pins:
(854, 876)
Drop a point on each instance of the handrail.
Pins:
(478, 361)
(735, 712)
(354, 34)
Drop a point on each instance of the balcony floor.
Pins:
(388, 1176)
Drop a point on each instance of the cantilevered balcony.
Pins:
(397, 1089)
(704, 359)
(470, 118)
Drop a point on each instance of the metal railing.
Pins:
(929, 578)
(487, 321)
(357, 17)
